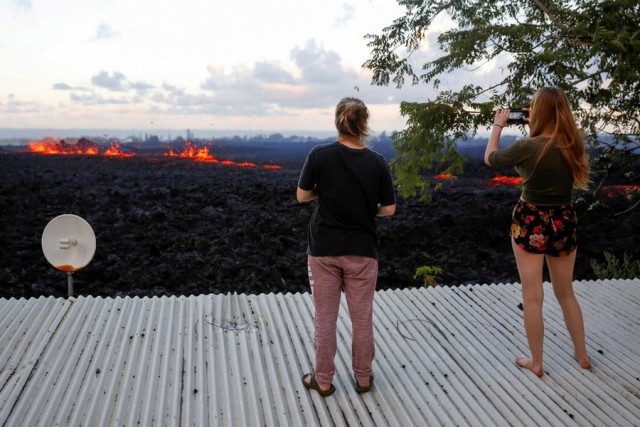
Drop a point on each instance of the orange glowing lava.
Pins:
(191, 151)
(87, 147)
(83, 146)
(444, 176)
(499, 180)
(115, 150)
(67, 268)
(612, 191)
(49, 146)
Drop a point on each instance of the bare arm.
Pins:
(499, 122)
(386, 210)
(306, 195)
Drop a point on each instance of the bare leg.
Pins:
(530, 271)
(561, 271)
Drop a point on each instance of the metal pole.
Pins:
(70, 283)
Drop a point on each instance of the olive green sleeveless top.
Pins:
(550, 183)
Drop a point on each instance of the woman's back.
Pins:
(350, 184)
(546, 180)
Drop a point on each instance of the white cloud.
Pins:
(272, 73)
(62, 86)
(141, 86)
(315, 80)
(96, 99)
(348, 15)
(115, 81)
(320, 66)
(267, 64)
(14, 105)
(23, 4)
(269, 88)
(66, 87)
(105, 31)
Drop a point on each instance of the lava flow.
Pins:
(86, 147)
(612, 191)
(501, 180)
(115, 150)
(202, 155)
(444, 177)
(83, 147)
(49, 146)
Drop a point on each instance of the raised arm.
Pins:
(499, 122)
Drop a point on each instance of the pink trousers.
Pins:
(328, 277)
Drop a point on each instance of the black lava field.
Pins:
(176, 226)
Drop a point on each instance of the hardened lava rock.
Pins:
(173, 226)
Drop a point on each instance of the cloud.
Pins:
(62, 86)
(314, 79)
(320, 66)
(105, 31)
(318, 75)
(349, 13)
(23, 4)
(317, 80)
(96, 99)
(141, 86)
(271, 73)
(176, 91)
(16, 106)
(115, 82)
(188, 100)
(177, 100)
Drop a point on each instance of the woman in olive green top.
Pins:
(552, 161)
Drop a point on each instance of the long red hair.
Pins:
(551, 116)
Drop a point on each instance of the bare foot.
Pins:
(528, 364)
(585, 361)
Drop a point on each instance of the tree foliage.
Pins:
(589, 48)
(616, 268)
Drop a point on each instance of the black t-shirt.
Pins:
(350, 184)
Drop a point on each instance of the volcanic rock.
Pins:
(173, 226)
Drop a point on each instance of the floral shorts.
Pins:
(550, 230)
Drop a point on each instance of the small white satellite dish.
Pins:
(68, 243)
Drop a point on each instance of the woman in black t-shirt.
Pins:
(352, 185)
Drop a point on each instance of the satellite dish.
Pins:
(68, 243)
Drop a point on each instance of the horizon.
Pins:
(21, 136)
(15, 134)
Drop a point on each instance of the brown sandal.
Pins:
(360, 389)
(313, 384)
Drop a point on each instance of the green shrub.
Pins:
(614, 268)
(429, 274)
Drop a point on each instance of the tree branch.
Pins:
(628, 210)
(544, 9)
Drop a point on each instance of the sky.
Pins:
(248, 66)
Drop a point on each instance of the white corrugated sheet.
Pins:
(445, 356)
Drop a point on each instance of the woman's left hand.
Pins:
(501, 118)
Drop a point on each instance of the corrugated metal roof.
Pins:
(444, 356)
